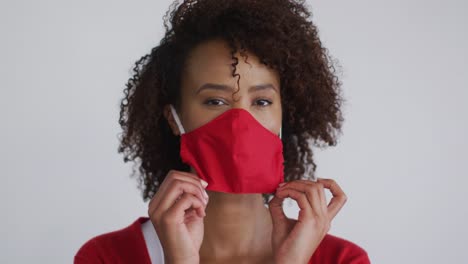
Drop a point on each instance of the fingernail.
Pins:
(282, 184)
(204, 183)
(206, 194)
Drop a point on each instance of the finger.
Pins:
(339, 197)
(187, 201)
(193, 176)
(176, 175)
(320, 199)
(174, 191)
(308, 182)
(299, 197)
(316, 196)
(186, 176)
(309, 188)
(323, 201)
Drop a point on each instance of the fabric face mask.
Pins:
(234, 153)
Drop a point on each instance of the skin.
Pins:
(199, 226)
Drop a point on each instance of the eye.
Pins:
(263, 102)
(214, 102)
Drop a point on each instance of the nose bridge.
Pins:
(240, 101)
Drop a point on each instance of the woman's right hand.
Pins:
(177, 211)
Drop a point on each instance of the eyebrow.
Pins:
(223, 87)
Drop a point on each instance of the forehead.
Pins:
(212, 61)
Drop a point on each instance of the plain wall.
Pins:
(401, 159)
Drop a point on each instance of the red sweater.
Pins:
(127, 245)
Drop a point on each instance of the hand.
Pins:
(295, 241)
(177, 211)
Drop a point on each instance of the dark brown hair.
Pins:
(281, 34)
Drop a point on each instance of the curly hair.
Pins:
(281, 34)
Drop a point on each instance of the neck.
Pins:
(235, 225)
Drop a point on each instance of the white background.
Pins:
(402, 159)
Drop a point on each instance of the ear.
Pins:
(170, 119)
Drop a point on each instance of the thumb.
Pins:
(276, 210)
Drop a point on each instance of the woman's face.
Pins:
(207, 88)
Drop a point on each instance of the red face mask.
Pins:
(234, 153)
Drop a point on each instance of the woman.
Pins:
(218, 115)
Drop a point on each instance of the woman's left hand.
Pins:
(295, 241)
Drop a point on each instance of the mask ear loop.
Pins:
(280, 132)
(176, 118)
